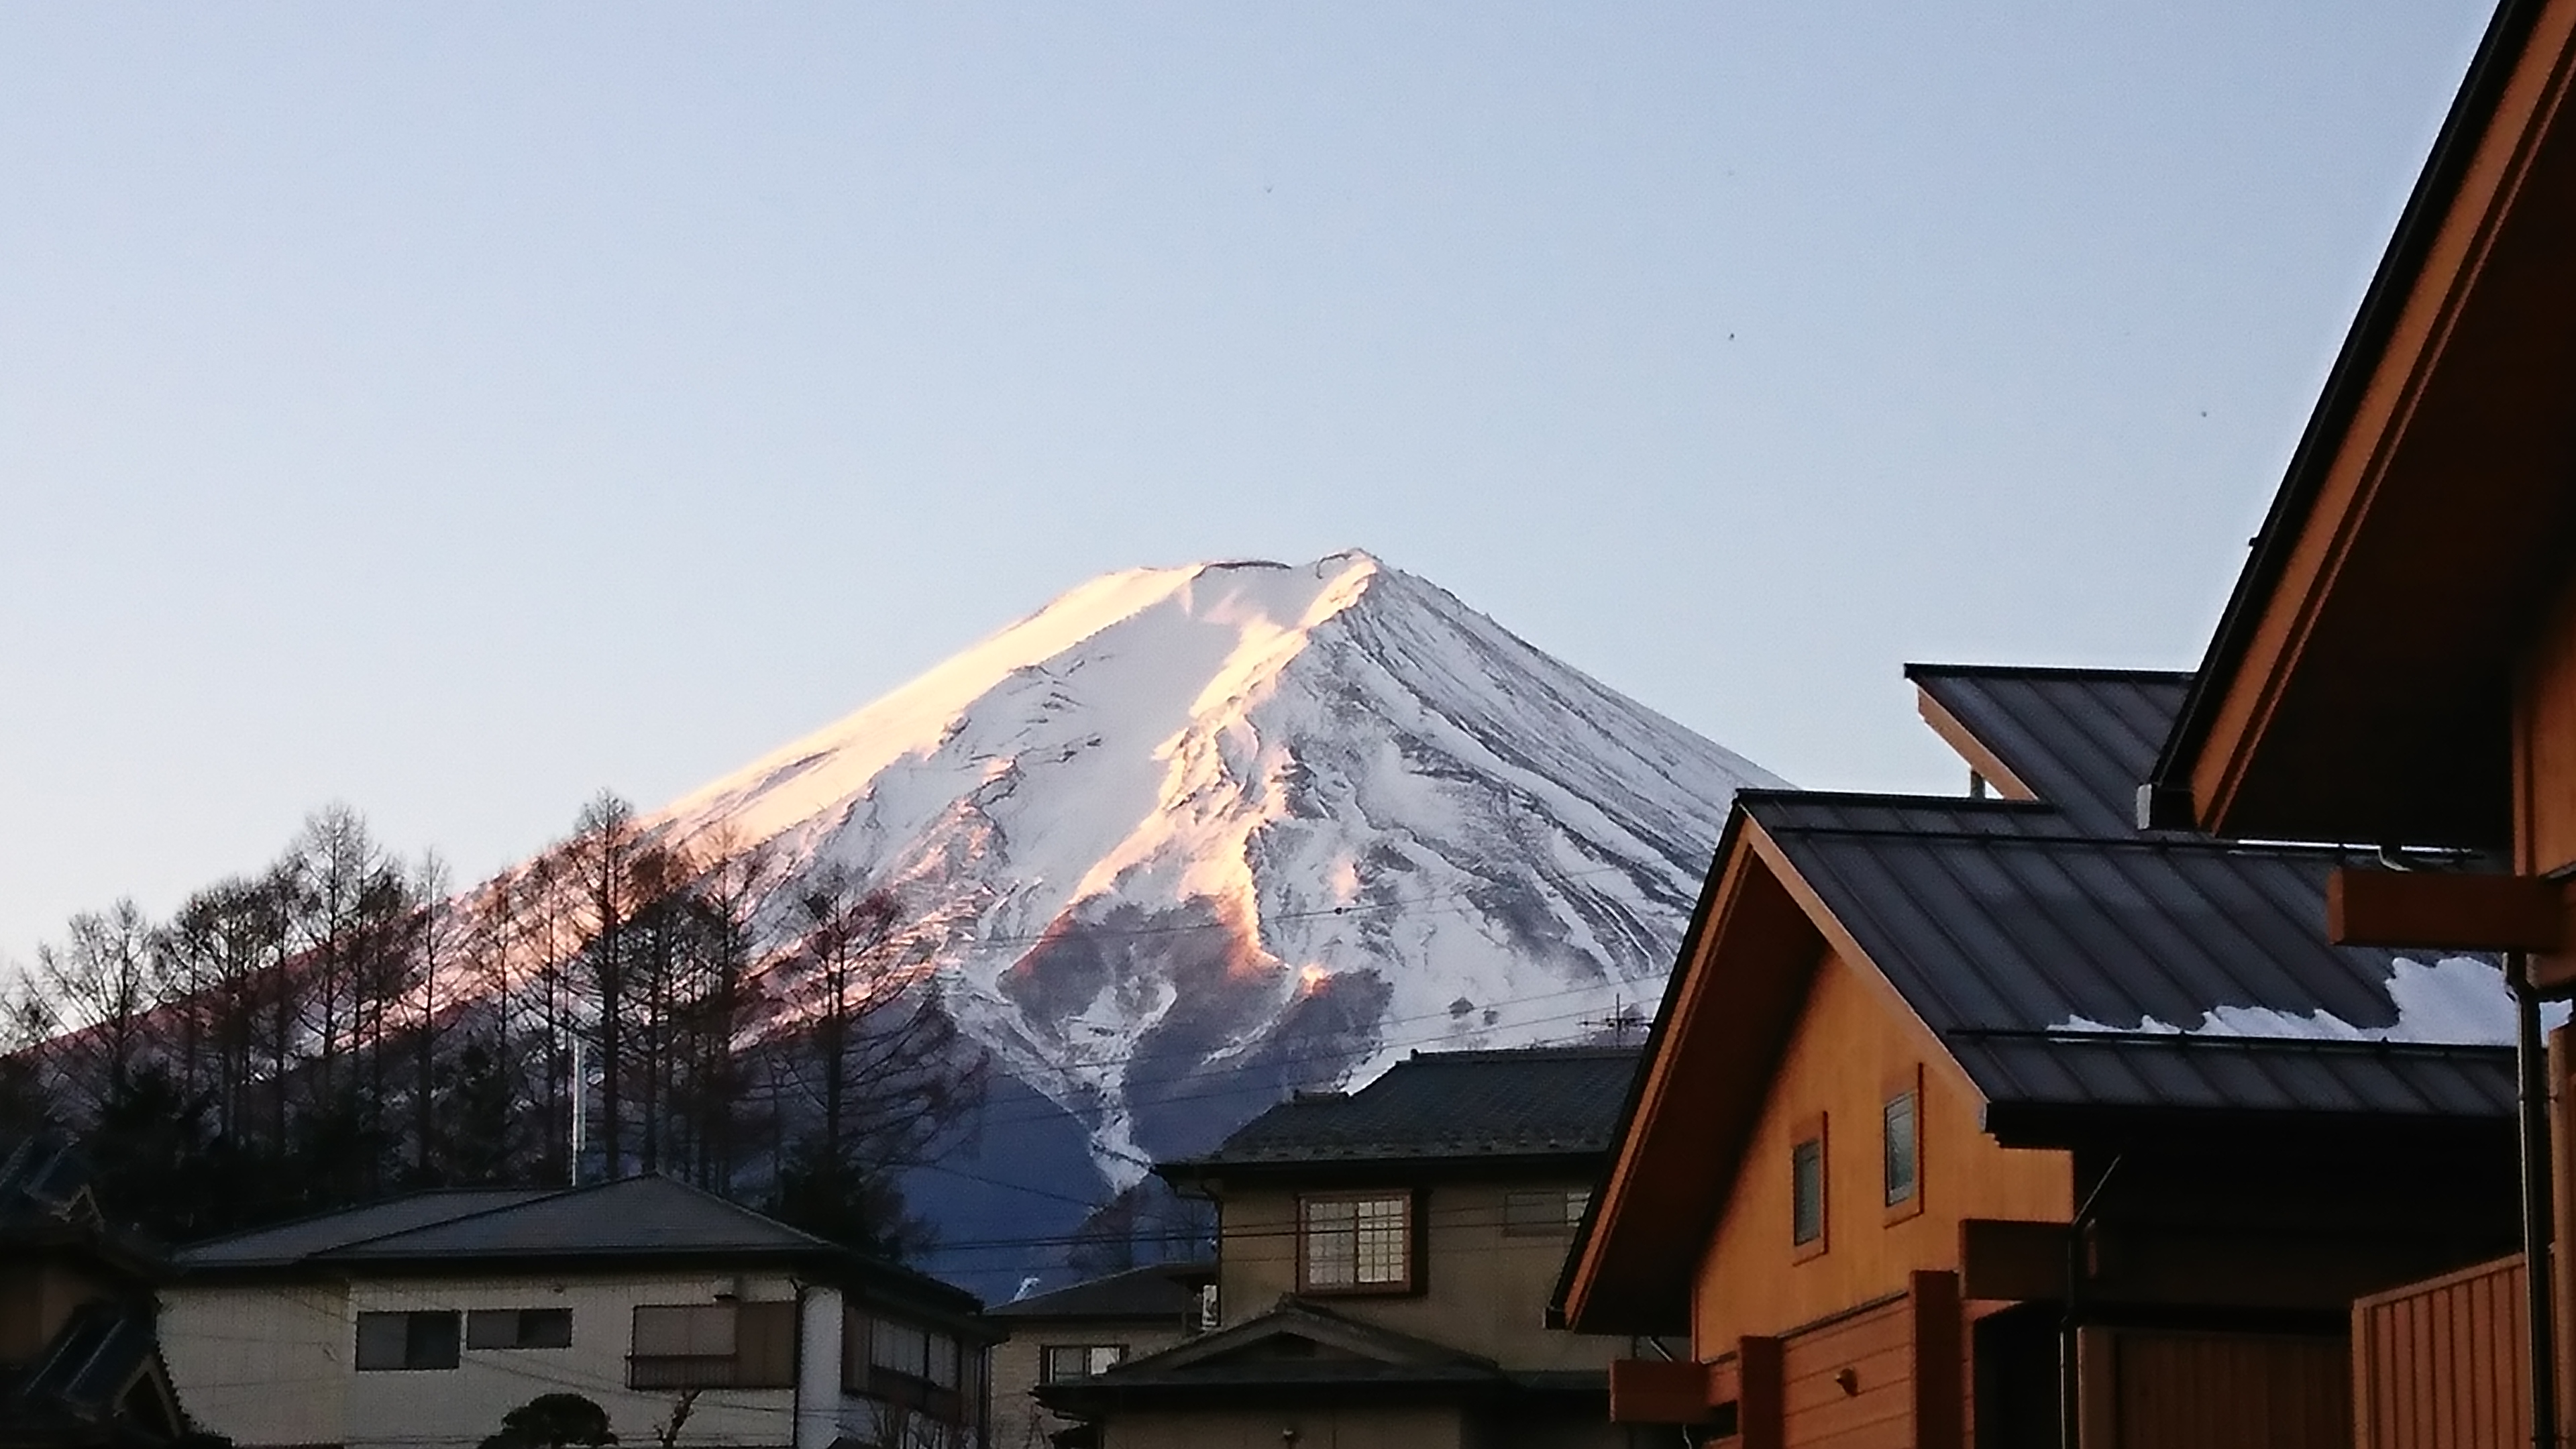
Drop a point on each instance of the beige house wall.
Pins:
(1019, 1420)
(272, 1365)
(265, 1365)
(1486, 1291)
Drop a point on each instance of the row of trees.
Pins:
(344, 1024)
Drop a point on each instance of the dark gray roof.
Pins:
(1158, 1290)
(1532, 1102)
(620, 1222)
(632, 1216)
(635, 1215)
(2083, 740)
(45, 1182)
(2142, 971)
(295, 1241)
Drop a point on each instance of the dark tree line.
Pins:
(342, 1026)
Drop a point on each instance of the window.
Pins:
(1807, 1189)
(519, 1328)
(392, 1341)
(1544, 1214)
(1901, 1144)
(1062, 1361)
(1356, 1243)
(713, 1346)
(908, 1365)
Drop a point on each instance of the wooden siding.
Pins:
(1850, 1384)
(2545, 727)
(2168, 1390)
(1851, 1035)
(2439, 1364)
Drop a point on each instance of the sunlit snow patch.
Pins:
(2455, 1001)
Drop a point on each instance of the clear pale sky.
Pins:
(456, 408)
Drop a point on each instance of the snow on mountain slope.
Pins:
(1189, 837)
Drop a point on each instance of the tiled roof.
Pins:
(2083, 740)
(1158, 1290)
(1532, 1102)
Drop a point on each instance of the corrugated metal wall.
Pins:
(2439, 1364)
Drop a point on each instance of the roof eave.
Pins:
(2189, 788)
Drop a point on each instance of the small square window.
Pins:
(1807, 1189)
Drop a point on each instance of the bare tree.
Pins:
(876, 1055)
(98, 985)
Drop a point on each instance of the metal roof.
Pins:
(292, 1242)
(2139, 971)
(632, 1215)
(646, 1217)
(1531, 1102)
(635, 1215)
(2083, 740)
(1158, 1290)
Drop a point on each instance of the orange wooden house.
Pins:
(2398, 662)
(1910, 1041)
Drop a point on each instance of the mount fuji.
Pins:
(1189, 838)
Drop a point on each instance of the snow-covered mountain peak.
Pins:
(1187, 837)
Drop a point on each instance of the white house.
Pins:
(417, 1323)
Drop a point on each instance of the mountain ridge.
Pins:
(1225, 822)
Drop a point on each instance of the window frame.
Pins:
(455, 1356)
(736, 1368)
(868, 1343)
(1807, 1130)
(1570, 1203)
(1409, 1236)
(520, 1318)
(1090, 1352)
(1905, 1084)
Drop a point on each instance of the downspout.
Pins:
(2530, 1060)
(2070, 1381)
(796, 1375)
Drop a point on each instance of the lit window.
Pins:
(1901, 1143)
(1079, 1360)
(1544, 1214)
(1356, 1244)
(1807, 1190)
(394, 1341)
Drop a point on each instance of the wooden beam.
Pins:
(1659, 1391)
(1989, 766)
(1940, 1391)
(1762, 1405)
(2010, 1259)
(2444, 912)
